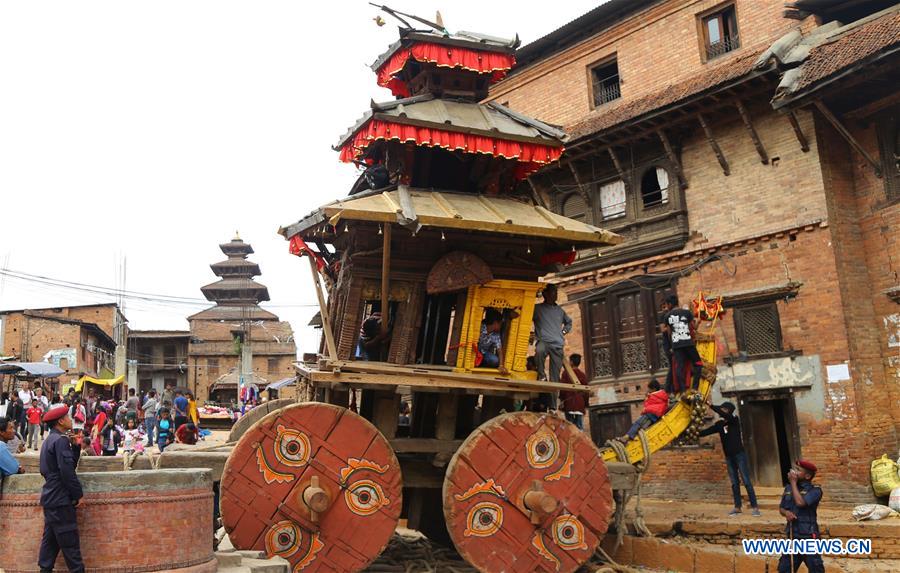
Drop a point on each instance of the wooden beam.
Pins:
(745, 117)
(834, 121)
(535, 194)
(425, 377)
(582, 189)
(712, 143)
(330, 346)
(385, 278)
(617, 164)
(670, 153)
(804, 144)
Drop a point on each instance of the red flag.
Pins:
(299, 247)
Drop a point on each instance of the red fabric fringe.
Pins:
(530, 155)
(492, 63)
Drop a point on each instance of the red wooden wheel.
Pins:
(527, 492)
(315, 484)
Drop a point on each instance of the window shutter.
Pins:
(601, 340)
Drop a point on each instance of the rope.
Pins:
(640, 466)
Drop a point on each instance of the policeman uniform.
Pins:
(60, 494)
(806, 526)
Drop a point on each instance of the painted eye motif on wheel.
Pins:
(365, 497)
(283, 539)
(568, 533)
(484, 519)
(542, 449)
(292, 447)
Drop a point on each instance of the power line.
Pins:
(121, 294)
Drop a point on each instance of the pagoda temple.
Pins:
(237, 329)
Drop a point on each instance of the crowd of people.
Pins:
(103, 426)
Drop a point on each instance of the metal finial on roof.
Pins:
(237, 236)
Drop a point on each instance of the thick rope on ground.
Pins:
(641, 466)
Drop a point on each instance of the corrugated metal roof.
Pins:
(446, 210)
(493, 120)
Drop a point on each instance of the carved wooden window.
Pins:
(623, 335)
(272, 365)
(720, 32)
(575, 207)
(654, 187)
(758, 329)
(889, 146)
(605, 83)
(612, 200)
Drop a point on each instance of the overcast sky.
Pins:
(153, 130)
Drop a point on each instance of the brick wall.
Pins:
(655, 48)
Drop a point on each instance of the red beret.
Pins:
(56, 412)
(807, 465)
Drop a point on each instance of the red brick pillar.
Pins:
(142, 520)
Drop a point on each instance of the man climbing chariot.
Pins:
(685, 362)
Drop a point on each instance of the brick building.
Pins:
(749, 151)
(82, 340)
(237, 336)
(160, 358)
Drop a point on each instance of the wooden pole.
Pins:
(385, 277)
(326, 322)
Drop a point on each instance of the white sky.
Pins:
(154, 130)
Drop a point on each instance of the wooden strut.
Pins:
(330, 346)
(385, 278)
(745, 117)
(582, 189)
(804, 144)
(670, 153)
(714, 144)
(834, 121)
(618, 165)
(535, 194)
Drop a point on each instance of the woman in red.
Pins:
(655, 405)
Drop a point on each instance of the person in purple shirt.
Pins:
(180, 406)
(8, 464)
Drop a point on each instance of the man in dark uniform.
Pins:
(798, 506)
(60, 495)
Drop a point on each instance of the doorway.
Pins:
(771, 436)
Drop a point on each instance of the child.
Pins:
(490, 343)
(86, 448)
(655, 405)
(110, 437)
(164, 430)
(133, 439)
(34, 414)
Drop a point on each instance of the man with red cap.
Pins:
(60, 494)
(798, 505)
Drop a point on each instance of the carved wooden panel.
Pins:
(456, 271)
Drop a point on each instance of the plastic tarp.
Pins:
(36, 369)
(98, 381)
(281, 383)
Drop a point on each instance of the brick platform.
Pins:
(121, 521)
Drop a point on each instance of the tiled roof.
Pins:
(608, 116)
(857, 44)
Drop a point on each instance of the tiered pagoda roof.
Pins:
(236, 294)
